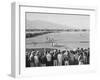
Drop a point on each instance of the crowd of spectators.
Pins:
(56, 57)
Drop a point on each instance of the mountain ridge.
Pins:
(40, 24)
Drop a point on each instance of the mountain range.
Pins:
(40, 24)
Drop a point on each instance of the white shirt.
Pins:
(48, 56)
(65, 54)
(59, 57)
(36, 59)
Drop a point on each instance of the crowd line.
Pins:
(57, 57)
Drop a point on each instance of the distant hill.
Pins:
(39, 24)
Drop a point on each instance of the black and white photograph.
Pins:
(56, 39)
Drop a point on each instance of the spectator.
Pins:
(55, 57)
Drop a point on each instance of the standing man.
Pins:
(31, 58)
(43, 59)
(59, 57)
(66, 60)
(36, 59)
(55, 58)
(49, 59)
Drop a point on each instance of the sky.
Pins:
(77, 21)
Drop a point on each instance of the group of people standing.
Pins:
(57, 57)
